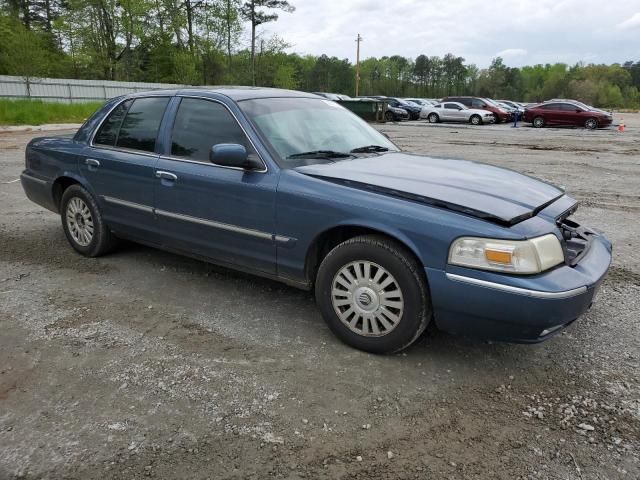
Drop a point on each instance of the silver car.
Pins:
(456, 112)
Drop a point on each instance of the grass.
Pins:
(37, 112)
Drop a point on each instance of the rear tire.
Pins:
(591, 124)
(83, 224)
(373, 295)
(475, 120)
(433, 118)
(538, 122)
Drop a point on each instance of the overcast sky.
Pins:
(523, 32)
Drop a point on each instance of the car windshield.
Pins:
(306, 130)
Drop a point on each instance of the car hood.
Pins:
(495, 194)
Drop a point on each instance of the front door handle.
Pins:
(166, 176)
(92, 162)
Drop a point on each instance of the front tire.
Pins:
(83, 224)
(388, 116)
(373, 295)
(475, 120)
(591, 124)
(433, 118)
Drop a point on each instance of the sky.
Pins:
(522, 32)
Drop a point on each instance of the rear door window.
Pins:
(475, 103)
(108, 132)
(140, 126)
(199, 125)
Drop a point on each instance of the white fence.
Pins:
(71, 91)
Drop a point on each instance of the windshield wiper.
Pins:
(370, 148)
(320, 154)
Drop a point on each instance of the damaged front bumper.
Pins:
(524, 309)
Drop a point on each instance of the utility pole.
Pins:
(358, 40)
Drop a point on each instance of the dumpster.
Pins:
(370, 110)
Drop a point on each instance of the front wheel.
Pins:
(373, 295)
(83, 224)
(433, 118)
(388, 116)
(475, 120)
(591, 124)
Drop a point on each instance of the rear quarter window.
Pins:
(108, 132)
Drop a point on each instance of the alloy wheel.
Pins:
(79, 221)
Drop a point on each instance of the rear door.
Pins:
(119, 163)
(223, 213)
(553, 114)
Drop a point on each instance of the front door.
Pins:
(226, 214)
(120, 162)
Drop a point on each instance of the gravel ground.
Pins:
(146, 364)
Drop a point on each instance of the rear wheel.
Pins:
(433, 118)
(475, 120)
(373, 295)
(83, 224)
(591, 124)
(538, 122)
(388, 116)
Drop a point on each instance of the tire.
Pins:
(83, 224)
(433, 118)
(475, 120)
(591, 124)
(389, 116)
(538, 122)
(496, 118)
(378, 324)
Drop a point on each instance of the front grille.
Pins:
(576, 239)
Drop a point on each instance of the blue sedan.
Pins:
(296, 188)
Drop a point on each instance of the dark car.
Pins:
(412, 109)
(499, 113)
(296, 188)
(396, 114)
(566, 113)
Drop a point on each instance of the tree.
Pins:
(251, 11)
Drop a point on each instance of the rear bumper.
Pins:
(517, 309)
(38, 191)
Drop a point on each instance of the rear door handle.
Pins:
(166, 176)
(92, 162)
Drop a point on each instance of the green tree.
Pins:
(257, 13)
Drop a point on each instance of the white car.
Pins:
(456, 112)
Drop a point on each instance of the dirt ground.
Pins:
(146, 364)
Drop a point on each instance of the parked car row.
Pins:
(482, 110)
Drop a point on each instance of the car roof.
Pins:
(236, 93)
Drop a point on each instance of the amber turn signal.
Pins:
(498, 256)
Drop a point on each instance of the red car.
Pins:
(566, 113)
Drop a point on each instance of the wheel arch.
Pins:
(329, 238)
(64, 181)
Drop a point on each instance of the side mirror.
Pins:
(578, 110)
(233, 155)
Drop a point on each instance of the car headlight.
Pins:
(510, 256)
